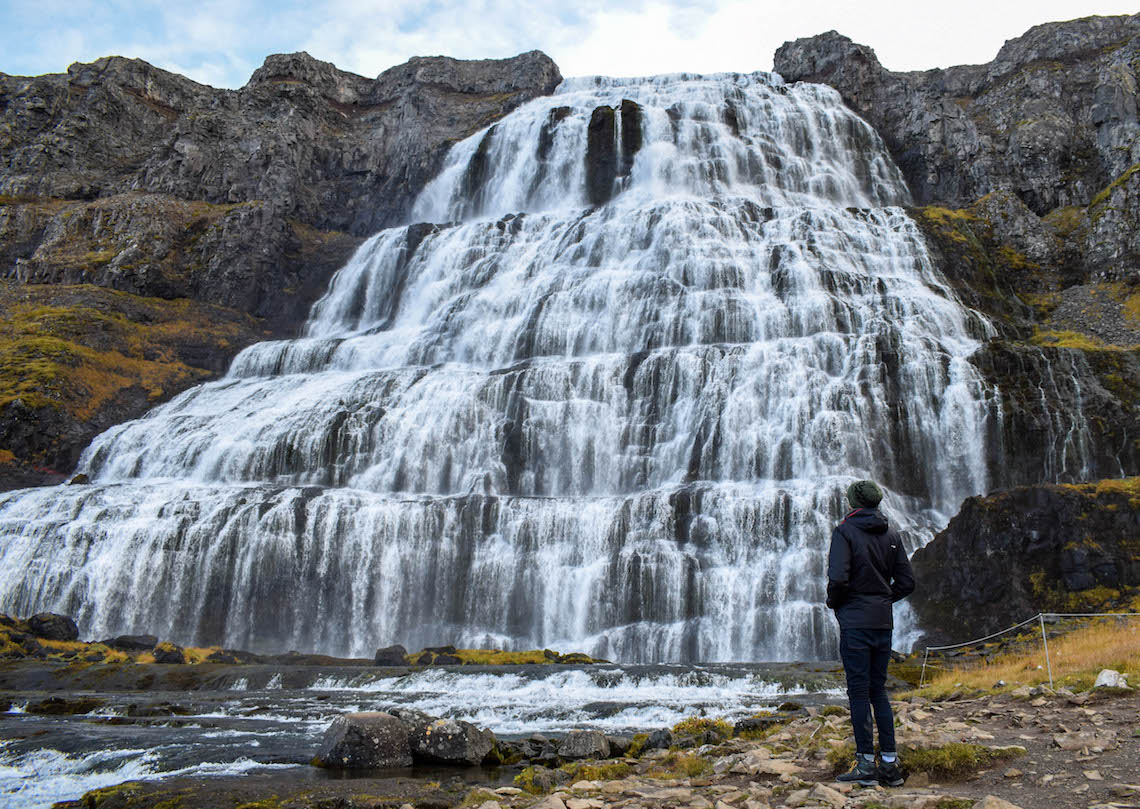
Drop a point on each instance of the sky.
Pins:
(221, 42)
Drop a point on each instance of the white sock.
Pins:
(867, 756)
(889, 758)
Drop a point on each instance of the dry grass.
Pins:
(1077, 658)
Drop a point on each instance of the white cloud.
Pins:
(220, 42)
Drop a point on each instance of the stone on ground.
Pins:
(365, 741)
(580, 744)
(1109, 678)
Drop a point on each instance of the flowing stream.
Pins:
(608, 402)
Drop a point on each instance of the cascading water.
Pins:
(612, 407)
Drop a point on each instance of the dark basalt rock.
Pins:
(391, 656)
(619, 745)
(1046, 548)
(365, 741)
(333, 149)
(59, 706)
(132, 643)
(169, 653)
(50, 626)
(659, 740)
(1053, 117)
(601, 155)
(448, 741)
(234, 656)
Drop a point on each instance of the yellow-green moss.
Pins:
(610, 771)
(525, 781)
(478, 797)
(97, 798)
(953, 760)
(695, 725)
(680, 765)
(639, 740)
(1069, 339)
(949, 223)
(1100, 199)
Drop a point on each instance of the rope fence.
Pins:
(1039, 618)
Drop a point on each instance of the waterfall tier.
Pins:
(609, 401)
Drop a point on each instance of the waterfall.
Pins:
(607, 399)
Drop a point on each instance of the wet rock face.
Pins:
(336, 150)
(49, 626)
(1032, 549)
(1053, 117)
(365, 741)
(1066, 414)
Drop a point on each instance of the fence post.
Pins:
(925, 657)
(1045, 640)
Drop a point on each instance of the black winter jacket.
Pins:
(867, 571)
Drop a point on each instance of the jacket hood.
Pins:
(870, 520)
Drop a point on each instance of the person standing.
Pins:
(867, 572)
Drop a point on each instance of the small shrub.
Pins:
(681, 765)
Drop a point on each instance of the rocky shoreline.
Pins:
(1030, 749)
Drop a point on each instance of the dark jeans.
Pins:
(865, 654)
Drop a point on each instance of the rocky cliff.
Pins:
(230, 209)
(1025, 169)
(1048, 548)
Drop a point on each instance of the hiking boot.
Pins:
(890, 773)
(863, 773)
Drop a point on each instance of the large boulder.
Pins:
(580, 744)
(449, 741)
(391, 656)
(50, 626)
(365, 741)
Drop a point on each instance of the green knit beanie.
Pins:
(864, 494)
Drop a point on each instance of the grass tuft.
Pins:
(1077, 657)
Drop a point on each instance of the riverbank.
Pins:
(1055, 749)
(73, 728)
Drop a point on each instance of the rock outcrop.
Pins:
(1053, 117)
(236, 204)
(1047, 548)
(1051, 120)
(335, 150)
